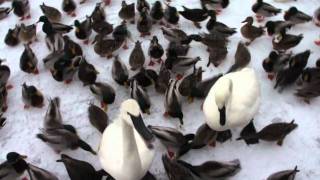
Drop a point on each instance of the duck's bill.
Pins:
(142, 129)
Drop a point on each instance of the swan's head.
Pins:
(131, 114)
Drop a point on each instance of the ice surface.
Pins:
(300, 148)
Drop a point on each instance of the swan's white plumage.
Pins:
(130, 165)
(240, 93)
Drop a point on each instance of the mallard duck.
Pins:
(144, 24)
(202, 88)
(171, 15)
(98, 14)
(178, 49)
(28, 61)
(102, 27)
(137, 58)
(140, 94)
(189, 82)
(120, 72)
(172, 103)
(87, 73)
(69, 7)
(106, 47)
(296, 17)
(12, 37)
(28, 34)
(83, 29)
(127, 12)
(127, 140)
(14, 166)
(31, 96)
(274, 27)
(142, 4)
(211, 40)
(249, 31)
(78, 169)
(65, 68)
(217, 55)
(204, 136)
(63, 138)
(98, 118)
(316, 17)
(145, 77)
(50, 28)
(155, 51)
(4, 75)
(162, 82)
(196, 15)
(4, 12)
(174, 170)
(310, 88)
(39, 173)
(214, 25)
(287, 174)
(21, 8)
(180, 64)
(175, 35)
(121, 33)
(283, 41)
(242, 58)
(71, 49)
(104, 92)
(263, 10)
(157, 12)
(216, 5)
(51, 13)
(275, 62)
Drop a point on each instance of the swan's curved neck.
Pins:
(131, 156)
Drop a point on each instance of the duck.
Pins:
(178, 49)
(286, 174)
(40, 174)
(78, 169)
(4, 12)
(63, 138)
(189, 82)
(157, 12)
(177, 144)
(211, 40)
(144, 24)
(274, 27)
(216, 5)
(53, 117)
(180, 64)
(83, 29)
(155, 51)
(28, 61)
(140, 94)
(295, 16)
(102, 27)
(242, 58)
(142, 4)
(223, 109)
(145, 77)
(289, 75)
(14, 166)
(97, 117)
(217, 55)
(310, 84)
(3, 99)
(64, 69)
(275, 62)
(175, 35)
(137, 58)
(71, 49)
(127, 12)
(203, 87)
(106, 47)
(196, 15)
(263, 9)
(2, 122)
(52, 58)
(27, 34)
(204, 136)
(215, 26)
(120, 73)
(104, 92)
(31, 96)
(283, 41)
(214, 169)
(122, 34)
(316, 17)
(53, 14)
(69, 7)
(273, 132)
(12, 37)
(87, 73)
(162, 82)
(171, 15)
(172, 103)
(98, 14)
(249, 31)
(21, 8)
(176, 171)
(133, 145)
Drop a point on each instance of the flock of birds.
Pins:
(231, 100)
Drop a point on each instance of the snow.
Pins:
(300, 148)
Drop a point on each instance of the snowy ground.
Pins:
(300, 148)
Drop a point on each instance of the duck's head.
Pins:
(248, 20)
(123, 4)
(17, 161)
(224, 3)
(131, 114)
(43, 19)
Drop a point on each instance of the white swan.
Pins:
(235, 96)
(125, 151)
